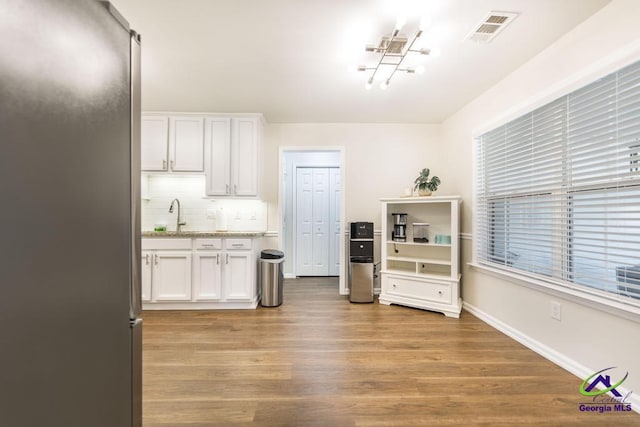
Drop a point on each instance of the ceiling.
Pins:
(289, 59)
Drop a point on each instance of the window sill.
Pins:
(592, 299)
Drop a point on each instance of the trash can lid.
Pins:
(271, 254)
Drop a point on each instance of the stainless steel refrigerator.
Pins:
(70, 332)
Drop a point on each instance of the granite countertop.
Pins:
(203, 234)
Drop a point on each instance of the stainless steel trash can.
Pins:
(271, 277)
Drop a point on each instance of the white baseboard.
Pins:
(547, 352)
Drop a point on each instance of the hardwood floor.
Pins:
(319, 360)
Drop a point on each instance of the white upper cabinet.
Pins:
(186, 140)
(172, 144)
(218, 155)
(244, 156)
(155, 143)
(232, 147)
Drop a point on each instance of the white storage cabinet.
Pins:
(199, 273)
(166, 270)
(232, 153)
(418, 274)
(172, 143)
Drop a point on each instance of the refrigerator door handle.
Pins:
(135, 286)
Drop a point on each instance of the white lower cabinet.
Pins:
(213, 273)
(147, 265)
(166, 276)
(238, 275)
(171, 278)
(207, 276)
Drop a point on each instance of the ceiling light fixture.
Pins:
(393, 48)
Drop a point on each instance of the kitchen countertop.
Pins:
(187, 234)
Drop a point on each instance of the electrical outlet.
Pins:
(556, 310)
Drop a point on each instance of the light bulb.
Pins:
(384, 84)
(368, 85)
(400, 21)
(434, 53)
(420, 69)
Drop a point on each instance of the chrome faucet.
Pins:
(178, 222)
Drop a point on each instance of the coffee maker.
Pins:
(399, 233)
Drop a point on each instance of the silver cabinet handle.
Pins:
(156, 259)
(172, 164)
(227, 189)
(235, 189)
(218, 259)
(207, 245)
(227, 258)
(146, 259)
(164, 164)
(237, 244)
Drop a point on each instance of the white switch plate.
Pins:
(556, 310)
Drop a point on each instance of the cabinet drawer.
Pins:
(417, 289)
(237, 244)
(170, 244)
(208, 244)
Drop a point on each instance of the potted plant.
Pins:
(424, 185)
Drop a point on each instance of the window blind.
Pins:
(558, 190)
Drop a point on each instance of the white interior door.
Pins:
(321, 221)
(317, 221)
(334, 221)
(304, 222)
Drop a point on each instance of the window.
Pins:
(558, 190)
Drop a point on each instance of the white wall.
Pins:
(588, 338)
(381, 160)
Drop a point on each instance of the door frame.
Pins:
(281, 209)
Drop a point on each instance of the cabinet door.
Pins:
(187, 144)
(244, 156)
(239, 275)
(320, 222)
(207, 275)
(145, 276)
(218, 156)
(171, 276)
(304, 222)
(154, 145)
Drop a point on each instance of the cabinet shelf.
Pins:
(419, 260)
(447, 245)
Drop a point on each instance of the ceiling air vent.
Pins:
(491, 26)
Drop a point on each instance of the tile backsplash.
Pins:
(201, 214)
